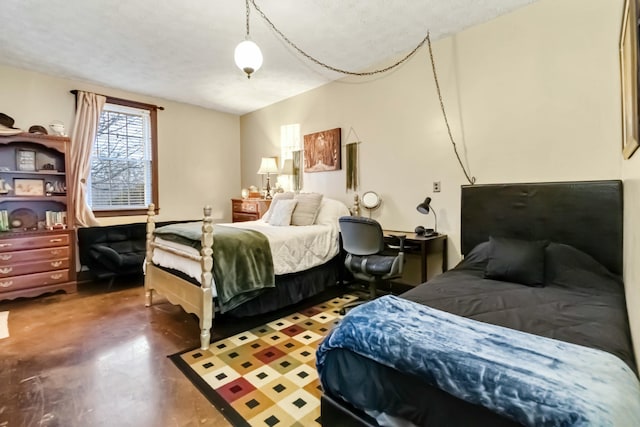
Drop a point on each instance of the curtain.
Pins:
(85, 126)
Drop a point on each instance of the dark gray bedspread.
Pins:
(581, 302)
(577, 305)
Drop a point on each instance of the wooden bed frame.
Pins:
(198, 298)
(193, 299)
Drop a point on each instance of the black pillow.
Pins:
(517, 261)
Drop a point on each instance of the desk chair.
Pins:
(363, 241)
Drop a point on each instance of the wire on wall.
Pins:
(426, 39)
(471, 179)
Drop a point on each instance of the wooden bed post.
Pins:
(206, 263)
(151, 226)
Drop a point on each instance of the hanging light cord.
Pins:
(427, 39)
(247, 5)
(329, 67)
(471, 179)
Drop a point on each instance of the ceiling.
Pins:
(183, 51)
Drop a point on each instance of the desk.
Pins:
(423, 246)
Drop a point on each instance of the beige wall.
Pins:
(198, 149)
(531, 96)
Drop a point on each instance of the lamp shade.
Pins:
(287, 167)
(268, 165)
(248, 57)
(425, 206)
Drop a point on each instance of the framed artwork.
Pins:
(28, 187)
(25, 160)
(322, 151)
(629, 78)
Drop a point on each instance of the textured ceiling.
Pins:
(183, 50)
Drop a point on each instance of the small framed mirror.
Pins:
(370, 200)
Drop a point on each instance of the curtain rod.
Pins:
(121, 101)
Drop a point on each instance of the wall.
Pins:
(198, 149)
(531, 96)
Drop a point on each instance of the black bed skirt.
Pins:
(289, 289)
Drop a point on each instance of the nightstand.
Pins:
(248, 209)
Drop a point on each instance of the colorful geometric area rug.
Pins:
(266, 376)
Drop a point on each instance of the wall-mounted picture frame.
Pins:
(322, 151)
(629, 78)
(25, 160)
(28, 187)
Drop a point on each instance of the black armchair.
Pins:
(113, 250)
(363, 241)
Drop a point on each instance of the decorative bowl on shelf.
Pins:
(23, 218)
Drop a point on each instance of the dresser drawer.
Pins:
(46, 241)
(11, 258)
(249, 207)
(14, 283)
(33, 267)
(240, 216)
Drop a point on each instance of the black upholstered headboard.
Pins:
(583, 214)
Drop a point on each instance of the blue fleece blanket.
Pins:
(534, 380)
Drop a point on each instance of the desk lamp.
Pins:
(425, 208)
(268, 166)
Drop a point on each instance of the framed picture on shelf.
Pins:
(25, 160)
(28, 187)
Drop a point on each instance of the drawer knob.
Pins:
(6, 270)
(56, 263)
(5, 245)
(55, 252)
(55, 240)
(56, 276)
(6, 257)
(6, 284)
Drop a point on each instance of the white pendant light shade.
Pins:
(248, 57)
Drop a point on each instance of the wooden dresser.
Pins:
(40, 263)
(37, 238)
(248, 209)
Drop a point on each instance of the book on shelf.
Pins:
(4, 220)
(55, 220)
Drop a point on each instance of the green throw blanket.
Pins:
(242, 261)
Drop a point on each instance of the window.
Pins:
(289, 143)
(123, 177)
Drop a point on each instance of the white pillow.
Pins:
(281, 214)
(279, 196)
(307, 208)
(330, 211)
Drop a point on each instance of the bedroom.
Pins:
(533, 96)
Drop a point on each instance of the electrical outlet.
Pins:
(436, 186)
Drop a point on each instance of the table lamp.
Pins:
(267, 167)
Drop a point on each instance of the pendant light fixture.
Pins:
(247, 55)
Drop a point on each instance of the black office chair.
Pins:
(363, 241)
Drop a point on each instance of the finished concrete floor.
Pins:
(98, 358)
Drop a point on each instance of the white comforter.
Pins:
(294, 248)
